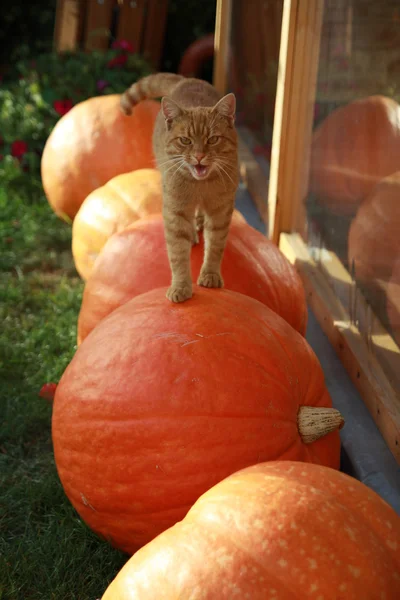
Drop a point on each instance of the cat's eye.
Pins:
(186, 141)
(213, 139)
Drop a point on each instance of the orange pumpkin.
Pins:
(274, 530)
(352, 150)
(162, 401)
(91, 144)
(393, 300)
(111, 208)
(374, 236)
(135, 261)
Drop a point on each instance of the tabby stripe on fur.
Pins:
(195, 145)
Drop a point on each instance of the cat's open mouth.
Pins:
(200, 171)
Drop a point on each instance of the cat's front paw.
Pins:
(210, 280)
(179, 293)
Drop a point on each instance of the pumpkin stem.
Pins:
(315, 422)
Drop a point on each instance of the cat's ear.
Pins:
(171, 110)
(227, 107)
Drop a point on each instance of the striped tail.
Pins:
(152, 86)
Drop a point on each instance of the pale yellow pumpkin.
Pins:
(109, 209)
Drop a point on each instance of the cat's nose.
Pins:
(199, 156)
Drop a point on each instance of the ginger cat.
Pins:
(195, 145)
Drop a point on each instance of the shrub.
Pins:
(45, 89)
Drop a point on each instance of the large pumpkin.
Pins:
(135, 261)
(352, 150)
(162, 401)
(279, 530)
(374, 236)
(393, 300)
(111, 208)
(91, 144)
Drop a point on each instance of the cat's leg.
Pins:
(216, 229)
(179, 230)
(197, 225)
(195, 236)
(199, 220)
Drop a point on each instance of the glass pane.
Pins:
(353, 204)
(253, 64)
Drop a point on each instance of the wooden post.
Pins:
(153, 38)
(69, 16)
(131, 22)
(221, 44)
(98, 23)
(298, 63)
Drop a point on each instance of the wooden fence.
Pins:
(93, 24)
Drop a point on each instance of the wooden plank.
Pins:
(285, 73)
(153, 38)
(377, 338)
(98, 24)
(221, 44)
(297, 91)
(295, 181)
(254, 179)
(69, 15)
(363, 367)
(131, 23)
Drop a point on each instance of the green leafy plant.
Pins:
(45, 89)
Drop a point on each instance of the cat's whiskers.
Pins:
(173, 159)
(221, 165)
(178, 168)
(232, 164)
(218, 168)
(182, 160)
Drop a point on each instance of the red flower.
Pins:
(62, 106)
(18, 148)
(101, 85)
(117, 61)
(123, 45)
(47, 391)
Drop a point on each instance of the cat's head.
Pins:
(203, 139)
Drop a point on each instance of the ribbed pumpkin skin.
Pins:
(109, 209)
(393, 300)
(135, 261)
(374, 236)
(161, 401)
(352, 150)
(279, 530)
(90, 145)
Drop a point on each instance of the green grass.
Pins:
(46, 551)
